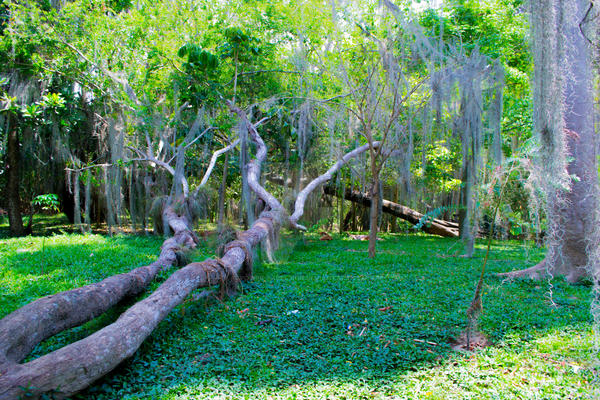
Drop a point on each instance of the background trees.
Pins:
(136, 77)
(117, 107)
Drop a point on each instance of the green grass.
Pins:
(295, 331)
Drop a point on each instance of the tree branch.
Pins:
(213, 161)
(254, 165)
(302, 196)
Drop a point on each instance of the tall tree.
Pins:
(566, 168)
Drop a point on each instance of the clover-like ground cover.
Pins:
(330, 323)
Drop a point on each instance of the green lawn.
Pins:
(327, 322)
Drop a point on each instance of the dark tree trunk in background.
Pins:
(13, 178)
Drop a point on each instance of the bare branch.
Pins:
(199, 136)
(213, 161)
(302, 196)
(149, 157)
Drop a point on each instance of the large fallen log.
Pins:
(26, 327)
(434, 226)
(74, 367)
(23, 329)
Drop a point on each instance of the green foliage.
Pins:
(201, 68)
(53, 101)
(47, 202)
(431, 215)
(295, 332)
(438, 173)
(319, 225)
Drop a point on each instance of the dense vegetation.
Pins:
(218, 163)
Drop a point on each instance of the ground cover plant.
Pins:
(218, 124)
(329, 323)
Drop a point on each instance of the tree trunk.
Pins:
(132, 200)
(222, 190)
(576, 214)
(394, 221)
(74, 367)
(13, 178)
(435, 226)
(110, 221)
(374, 212)
(77, 201)
(575, 218)
(88, 201)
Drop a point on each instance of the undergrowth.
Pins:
(329, 323)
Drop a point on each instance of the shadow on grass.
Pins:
(331, 314)
(33, 267)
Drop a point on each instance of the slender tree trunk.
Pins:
(341, 212)
(394, 220)
(88, 200)
(132, 207)
(109, 207)
(77, 201)
(374, 213)
(222, 190)
(353, 225)
(147, 199)
(466, 212)
(13, 178)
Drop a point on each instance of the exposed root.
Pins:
(536, 272)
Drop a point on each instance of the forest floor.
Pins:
(326, 322)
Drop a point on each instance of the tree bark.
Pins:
(77, 365)
(88, 201)
(222, 191)
(77, 201)
(13, 178)
(23, 329)
(435, 227)
(303, 195)
(374, 211)
(576, 216)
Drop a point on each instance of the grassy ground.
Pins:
(328, 323)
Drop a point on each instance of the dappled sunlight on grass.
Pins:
(32, 267)
(327, 322)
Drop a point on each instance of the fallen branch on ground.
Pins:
(436, 226)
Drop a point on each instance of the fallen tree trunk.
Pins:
(23, 329)
(434, 226)
(74, 367)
